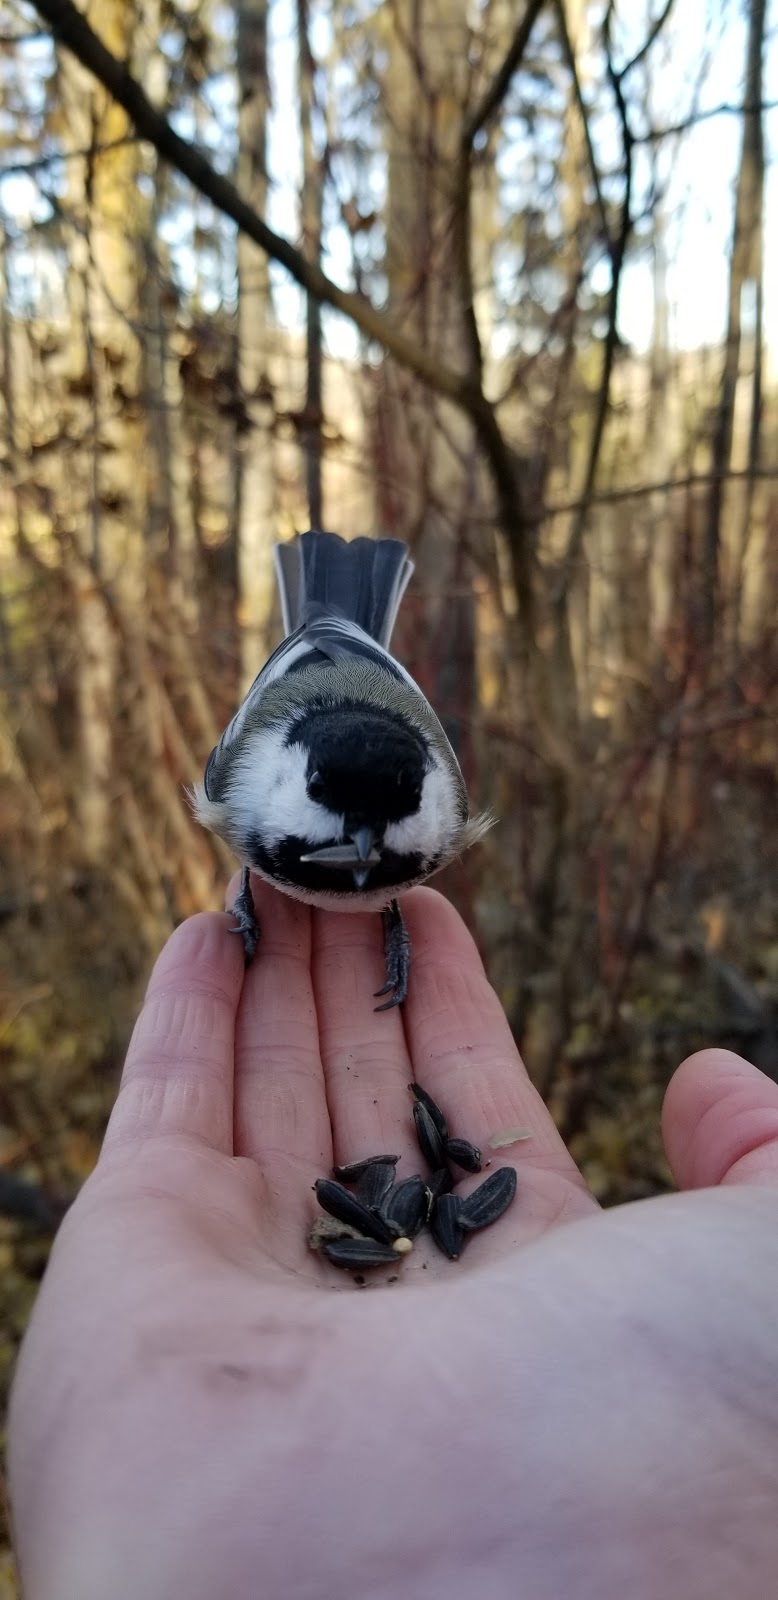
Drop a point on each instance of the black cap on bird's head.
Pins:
(367, 765)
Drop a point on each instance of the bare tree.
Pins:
(256, 482)
(312, 201)
(745, 278)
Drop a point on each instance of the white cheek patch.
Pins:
(268, 794)
(432, 829)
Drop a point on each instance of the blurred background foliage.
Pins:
(515, 309)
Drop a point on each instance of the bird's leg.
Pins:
(397, 952)
(246, 917)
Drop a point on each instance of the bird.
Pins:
(335, 780)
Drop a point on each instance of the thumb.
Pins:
(720, 1122)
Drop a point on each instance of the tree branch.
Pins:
(22, 169)
(583, 112)
(463, 389)
(73, 31)
(495, 93)
(617, 251)
(501, 458)
(747, 108)
(652, 35)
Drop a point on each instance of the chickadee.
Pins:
(335, 780)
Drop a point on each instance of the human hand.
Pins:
(584, 1406)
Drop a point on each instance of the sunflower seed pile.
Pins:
(371, 1221)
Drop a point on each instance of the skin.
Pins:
(585, 1407)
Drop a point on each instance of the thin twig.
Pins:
(654, 135)
(606, 497)
(651, 37)
(72, 30)
(583, 112)
(495, 93)
(617, 251)
(24, 169)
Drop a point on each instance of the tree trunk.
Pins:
(171, 521)
(256, 474)
(429, 451)
(745, 269)
(660, 432)
(104, 365)
(312, 200)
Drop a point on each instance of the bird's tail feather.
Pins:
(361, 579)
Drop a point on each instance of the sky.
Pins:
(698, 173)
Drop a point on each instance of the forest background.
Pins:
(498, 279)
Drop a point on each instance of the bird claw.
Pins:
(397, 955)
(246, 917)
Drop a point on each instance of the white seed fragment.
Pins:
(327, 1228)
(403, 1246)
(500, 1141)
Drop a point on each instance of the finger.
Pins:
(281, 1115)
(178, 1074)
(720, 1122)
(366, 1062)
(464, 1055)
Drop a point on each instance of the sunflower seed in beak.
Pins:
(342, 856)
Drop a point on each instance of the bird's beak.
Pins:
(364, 839)
(356, 856)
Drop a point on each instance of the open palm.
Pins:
(584, 1404)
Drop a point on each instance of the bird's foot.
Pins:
(246, 917)
(397, 952)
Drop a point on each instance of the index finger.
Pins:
(178, 1074)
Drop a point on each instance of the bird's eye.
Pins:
(316, 786)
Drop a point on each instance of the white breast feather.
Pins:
(268, 795)
(432, 830)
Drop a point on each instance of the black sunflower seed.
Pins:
(428, 1135)
(374, 1183)
(356, 1253)
(355, 1169)
(340, 1203)
(441, 1182)
(434, 1110)
(463, 1154)
(446, 1227)
(407, 1206)
(489, 1200)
